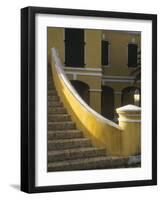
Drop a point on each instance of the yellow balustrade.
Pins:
(103, 132)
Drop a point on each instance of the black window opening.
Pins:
(74, 47)
(105, 52)
(132, 55)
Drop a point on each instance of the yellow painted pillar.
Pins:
(93, 48)
(130, 121)
(95, 99)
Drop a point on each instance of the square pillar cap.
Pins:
(128, 108)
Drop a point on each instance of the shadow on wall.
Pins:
(107, 102)
(82, 89)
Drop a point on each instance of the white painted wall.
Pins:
(10, 99)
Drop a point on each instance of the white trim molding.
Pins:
(83, 74)
(82, 69)
(120, 79)
(116, 80)
(134, 32)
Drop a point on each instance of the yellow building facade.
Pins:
(104, 87)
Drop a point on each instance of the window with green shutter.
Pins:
(74, 47)
(105, 52)
(132, 55)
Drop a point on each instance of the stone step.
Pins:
(52, 92)
(49, 76)
(49, 73)
(53, 98)
(61, 144)
(50, 87)
(50, 79)
(55, 103)
(64, 134)
(61, 125)
(101, 162)
(70, 154)
(49, 69)
(58, 117)
(57, 110)
(50, 82)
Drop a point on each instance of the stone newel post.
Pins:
(130, 121)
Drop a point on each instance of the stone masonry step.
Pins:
(50, 79)
(55, 103)
(52, 92)
(50, 87)
(61, 144)
(57, 110)
(103, 162)
(61, 125)
(51, 83)
(53, 98)
(64, 134)
(70, 154)
(58, 117)
(49, 74)
(68, 149)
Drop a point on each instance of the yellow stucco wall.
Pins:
(118, 58)
(118, 52)
(95, 101)
(93, 82)
(93, 48)
(55, 39)
(118, 49)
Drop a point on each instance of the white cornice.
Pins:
(117, 80)
(83, 73)
(120, 79)
(97, 72)
(134, 32)
(85, 69)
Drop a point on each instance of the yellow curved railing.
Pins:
(102, 132)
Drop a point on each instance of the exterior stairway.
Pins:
(68, 148)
